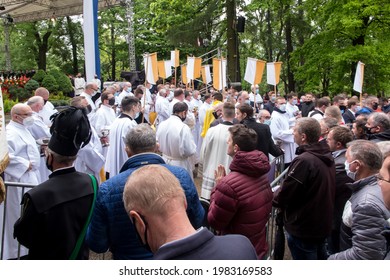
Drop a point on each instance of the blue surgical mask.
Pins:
(267, 122)
(273, 99)
(295, 102)
(257, 91)
(282, 107)
(248, 102)
(128, 90)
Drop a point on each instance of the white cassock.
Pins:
(79, 85)
(116, 155)
(98, 83)
(91, 115)
(176, 143)
(292, 111)
(123, 94)
(213, 153)
(22, 151)
(280, 130)
(90, 158)
(173, 102)
(146, 108)
(103, 119)
(39, 130)
(196, 104)
(47, 111)
(162, 108)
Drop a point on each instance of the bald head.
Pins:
(43, 92)
(36, 103)
(20, 111)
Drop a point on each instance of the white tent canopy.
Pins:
(33, 10)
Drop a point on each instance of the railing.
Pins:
(276, 175)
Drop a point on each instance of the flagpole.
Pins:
(175, 76)
(146, 79)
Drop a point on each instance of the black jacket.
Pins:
(378, 137)
(54, 215)
(307, 194)
(348, 116)
(265, 143)
(306, 108)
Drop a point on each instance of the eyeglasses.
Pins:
(28, 115)
(380, 178)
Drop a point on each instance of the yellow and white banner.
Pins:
(273, 72)
(164, 69)
(206, 74)
(4, 159)
(359, 76)
(151, 70)
(175, 58)
(194, 65)
(184, 74)
(219, 73)
(254, 70)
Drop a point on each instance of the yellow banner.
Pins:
(184, 74)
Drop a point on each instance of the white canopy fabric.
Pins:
(33, 10)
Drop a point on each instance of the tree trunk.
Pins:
(43, 46)
(289, 49)
(233, 70)
(75, 62)
(113, 53)
(360, 40)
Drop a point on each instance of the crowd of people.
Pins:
(143, 146)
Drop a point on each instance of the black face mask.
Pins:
(88, 109)
(375, 106)
(44, 102)
(343, 108)
(308, 102)
(48, 165)
(111, 101)
(146, 244)
(368, 130)
(215, 114)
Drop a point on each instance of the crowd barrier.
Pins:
(276, 175)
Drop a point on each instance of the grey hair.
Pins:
(311, 127)
(384, 147)
(367, 152)
(380, 119)
(141, 139)
(34, 100)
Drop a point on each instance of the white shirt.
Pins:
(162, 108)
(280, 130)
(176, 143)
(47, 111)
(291, 110)
(116, 154)
(104, 117)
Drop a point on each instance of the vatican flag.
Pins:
(175, 58)
(359, 75)
(206, 74)
(184, 74)
(254, 71)
(151, 70)
(164, 69)
(194, 65)
(219, 73)
(273, 72)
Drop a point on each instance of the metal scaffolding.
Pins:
(130, 34)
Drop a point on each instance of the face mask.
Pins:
(375, 106)
(282, 107)
(342, 108)
(183, 119)
(351, 174)
(49, 166)
(88, 109)
(257, 91)
(267, 122)
(307, 102)
(94, 93)
(295, 102)
(28, 121)
(145, 245)
(358, 108)
(248, 102)
(273, 99)
(44, 102)
(128, 90)
(111, 101)
(215, 115)
(368, 130)
(137, 115)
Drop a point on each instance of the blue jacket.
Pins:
(111, 227)
(365, 110)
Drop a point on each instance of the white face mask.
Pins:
(282, 107)
(28, 121)
(351, 174)
(267, 122)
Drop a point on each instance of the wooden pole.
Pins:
(146, 81)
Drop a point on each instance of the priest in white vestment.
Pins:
(175, 139)
(116, 155)
(214, 149)
(79, 84)
(48, 109)
(162, 105)
(23, 168)
(41, 133)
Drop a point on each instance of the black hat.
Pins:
(70, 131)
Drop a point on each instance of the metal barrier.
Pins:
(276, 175)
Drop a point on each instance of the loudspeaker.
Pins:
(240, 27)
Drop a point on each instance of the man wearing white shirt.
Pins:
(126, 86)
(319, 110)
(90, 90)
(41, 132)
(116, 155)
(255, 97)
(292, 108)
(162, 105)
(48, 109)
(178, 96)
(176, 142)
(23, 167)
(79, 84)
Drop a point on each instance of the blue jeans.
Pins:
(302, 249)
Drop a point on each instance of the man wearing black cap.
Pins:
(56, 213)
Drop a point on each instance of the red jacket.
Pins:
(241, 202)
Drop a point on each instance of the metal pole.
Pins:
(130, 34)
(6, 46)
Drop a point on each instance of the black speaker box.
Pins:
(240, 27)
